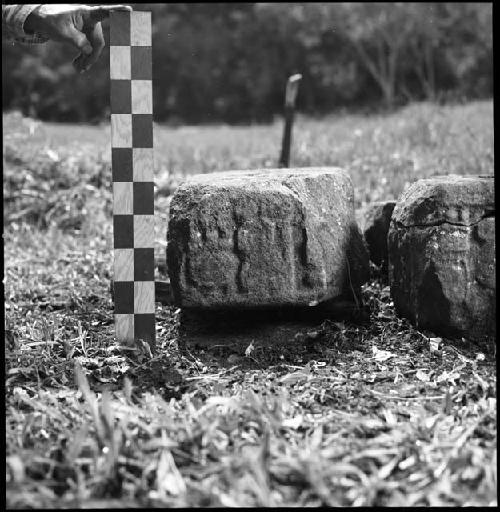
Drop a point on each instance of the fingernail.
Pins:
(87, 49)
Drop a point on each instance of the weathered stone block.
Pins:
(374, 220)
(253, 239)
(442, 255)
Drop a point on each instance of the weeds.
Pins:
(378, 414)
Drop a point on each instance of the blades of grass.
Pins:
(169, 480)
(91, 399)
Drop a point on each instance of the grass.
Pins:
(344, 414)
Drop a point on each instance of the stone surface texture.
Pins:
(442, 255)
(374, 220)
(265, 238)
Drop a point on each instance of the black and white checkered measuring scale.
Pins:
(132, 167)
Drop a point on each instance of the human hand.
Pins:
(78, 25)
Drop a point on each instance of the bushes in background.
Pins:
(229, 62)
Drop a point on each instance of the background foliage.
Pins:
(229, 62)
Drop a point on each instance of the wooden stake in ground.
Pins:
(292, 88)
(132, 167)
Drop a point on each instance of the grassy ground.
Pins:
(344, 414)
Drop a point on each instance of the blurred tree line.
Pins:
(230, 61)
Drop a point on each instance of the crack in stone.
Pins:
(487, 215)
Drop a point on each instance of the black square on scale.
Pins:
(123, 231)
(141, 63)
(124, 297)
(122, 164)
(121, 97)
(119, 28)
(142, 130)
(143, 198)
(144, 264)
(144, 328)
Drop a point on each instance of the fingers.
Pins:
(77, 63)
(91, 40)
(96, 38)
(102, 12)
(72, 35)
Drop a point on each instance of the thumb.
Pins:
(78, 39)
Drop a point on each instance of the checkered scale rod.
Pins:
(132, 168)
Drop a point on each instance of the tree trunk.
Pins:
(383, 70)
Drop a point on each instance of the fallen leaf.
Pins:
(435, 344)
(381, 355)
(450, 377)
(421, 375)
